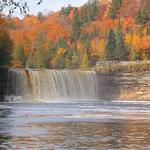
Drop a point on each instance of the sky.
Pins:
(50, 5)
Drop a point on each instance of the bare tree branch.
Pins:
(12, 5)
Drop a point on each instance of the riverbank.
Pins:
(124, 86)
(128, 81)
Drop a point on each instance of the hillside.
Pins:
(78, 37)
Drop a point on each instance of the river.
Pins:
(85, 125)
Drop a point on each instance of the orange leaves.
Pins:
(30, 20)
(55, 26)
(127, 23)
(3, 25)
(102, 26)
(17, 35)
(27, 32)
(141, 43)
(54, 31)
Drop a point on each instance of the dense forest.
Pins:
(77, 37)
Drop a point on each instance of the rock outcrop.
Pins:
(124, 86)
(3, 83)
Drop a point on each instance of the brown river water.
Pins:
(98, 125)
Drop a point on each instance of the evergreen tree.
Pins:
(18, 55)
(40, 16)
(40, 54)
(113, 10)
(148, 30)
(30, 62)
(92, 9)
(85, 41)
(138, 17)
(5, 48)
(74, 59)
(120, 51)
(84, 38)
(83, 14)
(71, 59)
(10, 24)
(147, 7)
(66, 10)
(51, 53)
(76, 25)
(62, 46)
(30, 59)
(60, 63)
(145, 17)
(110, 45)
(89, 11)
(141, 17)
(62, 11)
(61, 43)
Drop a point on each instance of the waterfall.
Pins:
(51, 85)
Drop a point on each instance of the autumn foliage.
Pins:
(83, 34)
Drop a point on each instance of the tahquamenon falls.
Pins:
(50, 85)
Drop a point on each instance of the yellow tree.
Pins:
(141, 44)
(98, 48)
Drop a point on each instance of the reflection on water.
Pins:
(86, 125)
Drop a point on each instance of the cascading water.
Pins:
(51, 85)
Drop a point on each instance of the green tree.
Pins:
(148, 30)
(18, 54)
(83, 14)
(141, 17)
(62, 46)
(120, 51)
(110, 45)
(85, 41)
(30, 62)
(60, 63)
(71, 58)
(40, 54)
(5, 48)
(51, 52)
(61, 43)
(76, 25)
(74, 58)
(147, 7)
(40, 16)
(89, 11)
(114, 8)
(85, 54)
(92, 8)
(66, 10)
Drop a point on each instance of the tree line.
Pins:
(80, 40)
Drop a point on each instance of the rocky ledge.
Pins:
(124, 86)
